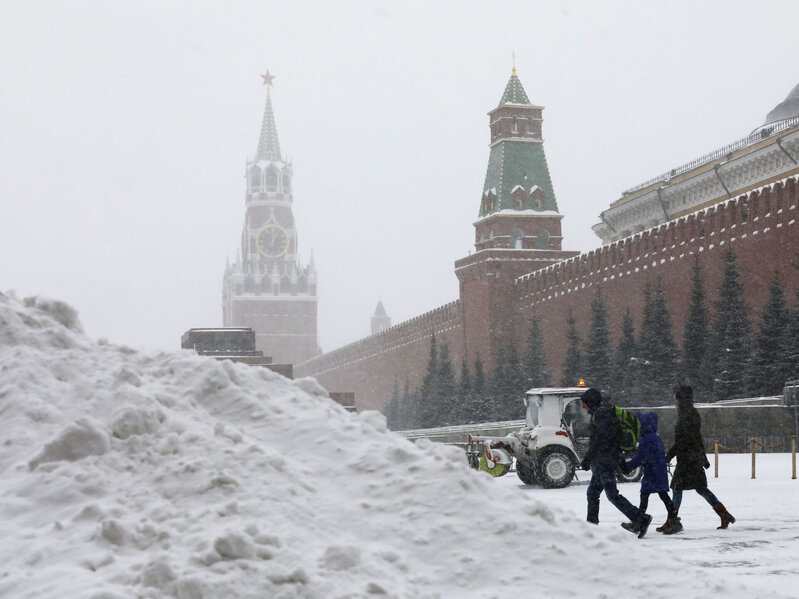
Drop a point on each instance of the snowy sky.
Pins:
(126, 128)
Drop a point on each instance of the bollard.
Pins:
(716, 452)
(753, 458)
(793, 457)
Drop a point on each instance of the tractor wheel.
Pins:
(526, 473)
(555, 468)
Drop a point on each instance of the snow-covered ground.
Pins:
(760, 551)
(127, 474)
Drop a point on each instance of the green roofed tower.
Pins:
(518, 228)
(518, 209)
(517, 176)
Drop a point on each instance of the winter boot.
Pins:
(663, 527)
(726, 517)
(630, 526)
(672, 526)
(638, 528)
(643, 526)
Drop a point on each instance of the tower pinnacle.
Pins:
(268, 144)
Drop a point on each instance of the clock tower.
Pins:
(266, 288)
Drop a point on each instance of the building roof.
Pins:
(787, 109)
(380, 310)
(268, 144)
(512, 164)
(514, 92)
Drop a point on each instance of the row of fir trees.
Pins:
(723, 354)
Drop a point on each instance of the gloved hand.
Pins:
(706, 464)
(585, 465)
(624, 467)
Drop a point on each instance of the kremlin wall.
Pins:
(742, 198)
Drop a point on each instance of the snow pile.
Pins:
(125, 474)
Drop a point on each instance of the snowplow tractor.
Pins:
(550, 445)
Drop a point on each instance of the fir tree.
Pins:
(515, 385)
(445, 396)
(393, 408)
(480, 402)
(731, 331)
(624, 385)
(572, 365)
(535, 364)
(428, 410)
(463, 400)
(696, 338)
(598, 351)
(656, 347)
(771, 364)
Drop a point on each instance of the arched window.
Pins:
(271, 177)
(249, 285)
(255, 178)
(515, 125)
(516, 237)
(542, 240)
(529, 125)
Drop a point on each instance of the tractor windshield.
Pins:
(576, 419)
(532, 410)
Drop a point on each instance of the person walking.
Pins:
(651, 456)
(689, 449)
(603, 458)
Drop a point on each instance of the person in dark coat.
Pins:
(603, 458)
(689, 449)
(651, 456)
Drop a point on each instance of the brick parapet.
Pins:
(759, 226)
(372, 366)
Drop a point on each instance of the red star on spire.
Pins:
(267, 78)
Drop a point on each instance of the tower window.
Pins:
(529, 125)
(255, 179)
(542, 240)
(515, 125)
(516, 237)
(271, 177)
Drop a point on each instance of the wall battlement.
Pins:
(760, 227)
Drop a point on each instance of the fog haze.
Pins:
(125, 129)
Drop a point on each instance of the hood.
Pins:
(649, 422)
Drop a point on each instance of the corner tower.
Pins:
(518, 228)
(266, 288)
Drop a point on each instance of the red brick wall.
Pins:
(491, 311)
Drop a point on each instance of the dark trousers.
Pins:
(664, 497)
(706, 493)
(603, 478)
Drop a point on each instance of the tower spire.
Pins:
(268, 144)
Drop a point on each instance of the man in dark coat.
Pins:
(689, 450)
(603, 458)
(651, 456)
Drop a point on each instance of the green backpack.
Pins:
(630, 428)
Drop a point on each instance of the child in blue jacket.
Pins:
(652, 457)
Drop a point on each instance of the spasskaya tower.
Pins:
(266, 288)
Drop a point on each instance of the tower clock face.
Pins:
(272, 241)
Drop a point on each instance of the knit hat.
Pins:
(591, 397)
